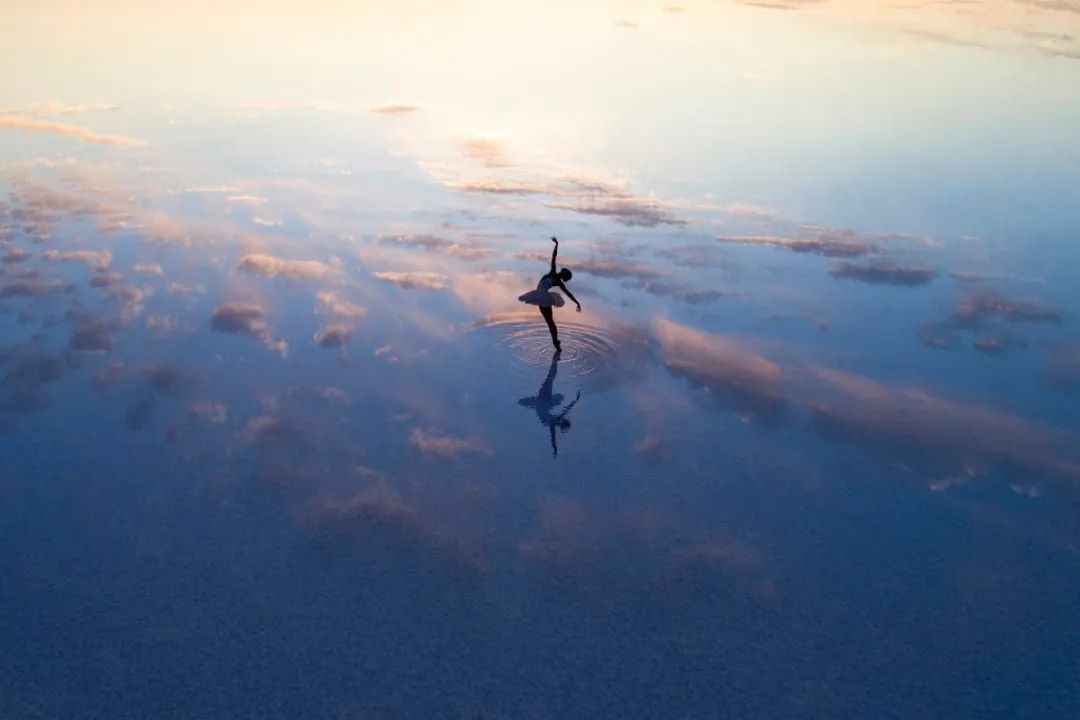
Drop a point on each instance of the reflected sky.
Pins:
(263, 366)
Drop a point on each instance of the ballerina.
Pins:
(544, 298)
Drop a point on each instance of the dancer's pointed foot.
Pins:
(558, 347)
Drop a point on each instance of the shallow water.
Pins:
(278, 441)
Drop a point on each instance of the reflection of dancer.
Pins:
(544, 402)
(545, 299)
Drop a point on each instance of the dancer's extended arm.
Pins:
(573, 402)
(562, 286)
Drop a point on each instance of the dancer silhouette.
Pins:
(545, 401)
(545, 299)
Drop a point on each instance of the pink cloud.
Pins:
(729, 370)
(74, 131)
(955, 432)
(491, 153)
(270, 266)
(415, 280)
(380, 513)
(445, 445)
(396, 109)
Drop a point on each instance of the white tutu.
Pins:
(543, 298)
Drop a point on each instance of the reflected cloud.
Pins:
(574, 193)
(162, 325)
(1065, 6)
(886, 418)
(683, 293)
(779, 4)
(733, 375)
(651, 448)
(271, 266)
(577, 548)
(16, 255)
(698, 256)
(497, 187)
(142, 268)
(488, 292)
(885, 273)
(817, 321)
(333, 336)
(943, 432)
(37, 208)
(985, 309)
(445, 445)
(567, 545)
(239, 318)
(54, 109)
(632, 212)
(210, 412)
(997, 345)
(416, 280)
(396, 110)
(979, 308)
(978, 277)
(73, 131)
(616, 268)
(846, 244)
(379, 514)
(159, 381)
(491, 153)
(1003, 25)
(337, 306)
(31, 285)
(732, 564)
(437, 244)
(277, 439)
(130, 298)
(179, 288)
(28, 369)
(253, 201)
(377, 508)
(160, 229)
(93, 334)
(102, 278)
(93, 258)
(946, 38)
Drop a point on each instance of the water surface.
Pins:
(278, 440)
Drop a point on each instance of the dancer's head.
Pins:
(565, 274)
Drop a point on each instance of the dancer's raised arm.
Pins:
(554, 253)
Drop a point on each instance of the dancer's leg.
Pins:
(549, 318)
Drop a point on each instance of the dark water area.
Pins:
(199, 522)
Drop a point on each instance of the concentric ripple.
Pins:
(589, 351)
